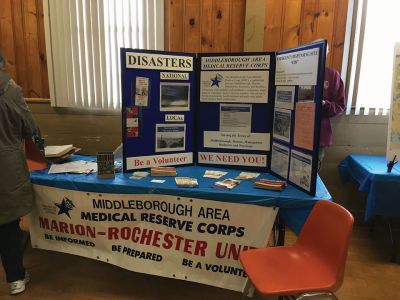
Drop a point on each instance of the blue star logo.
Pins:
(65, 206)
(215, 81)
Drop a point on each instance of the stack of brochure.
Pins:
(139, 175)
(214, 174)
(247, 176)
(163, 171)
(268, 184)
(226, 184)
(186, 182)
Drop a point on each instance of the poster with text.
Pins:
(299, 79)
(300, 169)
(234, 112)
(393, 142)
(289, 64)
(284, 97)
(235, 117)
(280, 159)
(163, 85)
(282, 124)
(240, 79)
(304, 125)
(176, 237)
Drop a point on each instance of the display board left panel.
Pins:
(157, 108)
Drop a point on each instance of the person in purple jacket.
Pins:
(333, 104)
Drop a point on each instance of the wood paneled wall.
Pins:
(204, 26)
(23, 42)
(289, 23)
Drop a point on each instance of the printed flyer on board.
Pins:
(221, 81)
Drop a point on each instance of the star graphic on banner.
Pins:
(65, 206)
(215, 81)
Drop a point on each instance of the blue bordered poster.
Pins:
(157, 108)
(299, 78)
(234, 110)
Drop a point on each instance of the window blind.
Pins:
(83, 38)
(375, 31)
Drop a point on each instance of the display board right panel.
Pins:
(299, 79)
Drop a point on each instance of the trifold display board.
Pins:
(253, 111)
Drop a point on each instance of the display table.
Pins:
(157, 228)
(383, 188)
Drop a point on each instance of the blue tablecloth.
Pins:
(294, 204)
(383, 188)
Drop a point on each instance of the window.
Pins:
(375, 33)
(83, 38)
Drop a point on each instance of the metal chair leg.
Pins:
(248, 290)
(316, 294)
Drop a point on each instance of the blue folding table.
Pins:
(294, 205)
(383, 188)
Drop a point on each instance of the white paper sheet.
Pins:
(78, 166)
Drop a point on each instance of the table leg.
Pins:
(281, 232)
(392, 239)
(372, 225)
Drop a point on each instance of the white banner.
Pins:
(171, 236)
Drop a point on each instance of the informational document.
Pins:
(131, 122)
(170, 137)
(393, 143)
(233, 86)
(240, 79)
(282, 121)
(304, 125)
(236, 140)
(297, 68)
(280, 159)
(142, 91)
(235, 117)
(300, 169)
(77, 166)
(284, 97)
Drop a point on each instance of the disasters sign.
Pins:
(177, 237)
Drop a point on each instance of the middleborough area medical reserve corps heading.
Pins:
(137, 60)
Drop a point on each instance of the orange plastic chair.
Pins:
(313, 266)
(34, 158)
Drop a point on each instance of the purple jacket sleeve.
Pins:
(334, 94)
